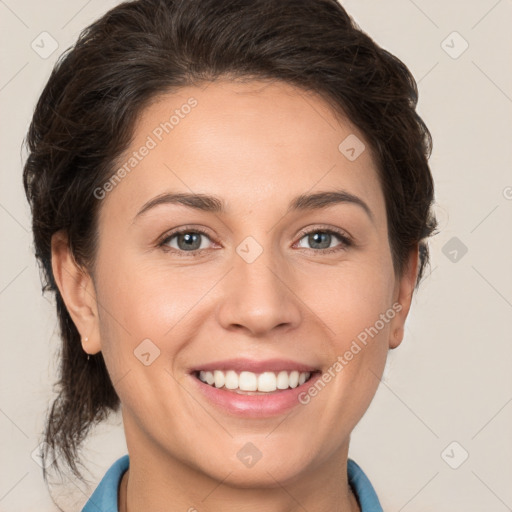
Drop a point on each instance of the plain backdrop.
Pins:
(438, 434)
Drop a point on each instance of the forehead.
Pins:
(248, 142)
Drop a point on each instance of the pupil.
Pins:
(189, 239)
(314, 238)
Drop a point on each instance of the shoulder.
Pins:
(362, 488)
(104, 498)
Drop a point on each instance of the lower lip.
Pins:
(254, 406)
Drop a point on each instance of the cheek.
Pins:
(139, 308)
(145, 301)
(352, 298)
(357, 308)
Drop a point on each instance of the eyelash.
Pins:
(346, 242)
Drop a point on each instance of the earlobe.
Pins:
(403, 296)
(397, 337)
(77, 290)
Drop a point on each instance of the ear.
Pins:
(77, 290)
(403, 293)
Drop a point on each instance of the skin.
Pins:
(256, 145)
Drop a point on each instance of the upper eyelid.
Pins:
(336, 231)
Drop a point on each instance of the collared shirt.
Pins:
(104, 498)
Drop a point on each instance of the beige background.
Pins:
(450, 380)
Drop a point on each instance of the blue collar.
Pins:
(104, 498)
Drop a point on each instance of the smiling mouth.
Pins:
(250, 383)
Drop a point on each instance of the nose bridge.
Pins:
(256, 267)
(258, 297)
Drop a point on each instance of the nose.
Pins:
(258, 296)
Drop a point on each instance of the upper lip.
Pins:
(251, 365)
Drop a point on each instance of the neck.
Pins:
(137, 493)
(159, 482)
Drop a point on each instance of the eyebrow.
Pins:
(214, 204)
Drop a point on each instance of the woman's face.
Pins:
(257, 282)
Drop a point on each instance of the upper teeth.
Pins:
(249, 381)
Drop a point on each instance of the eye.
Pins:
(321, 239)
(187, 241)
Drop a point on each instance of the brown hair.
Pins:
(85, 118)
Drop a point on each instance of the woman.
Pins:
(231, 201)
